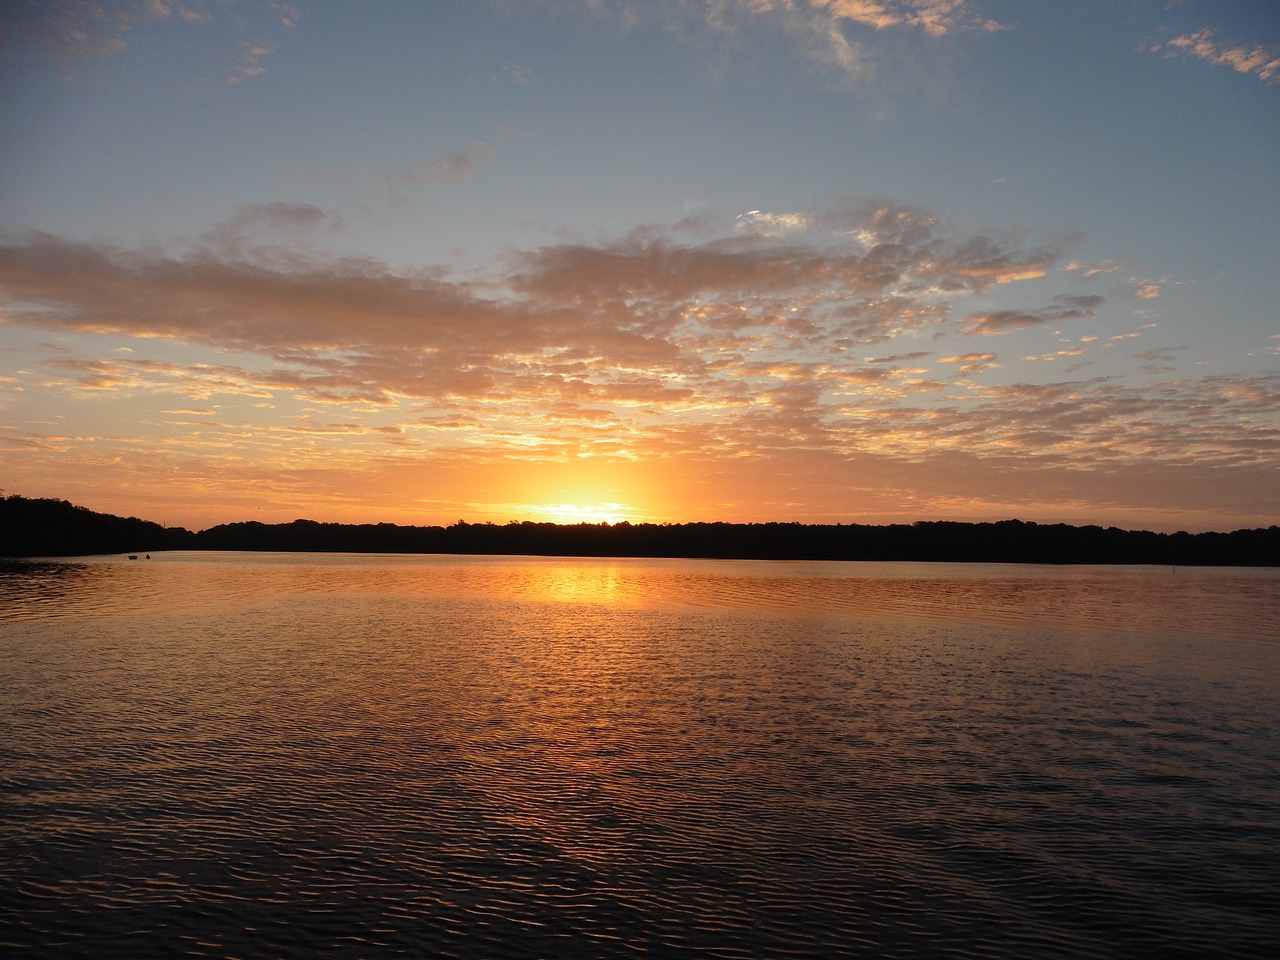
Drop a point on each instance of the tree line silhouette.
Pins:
(48, 528)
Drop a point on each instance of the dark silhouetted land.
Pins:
(51, 528)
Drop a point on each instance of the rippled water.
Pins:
(231, 755)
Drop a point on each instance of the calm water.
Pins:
(225, 755)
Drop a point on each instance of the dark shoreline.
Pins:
(53, 528)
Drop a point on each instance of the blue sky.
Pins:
(825, 260)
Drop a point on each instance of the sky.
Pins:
(827, 261)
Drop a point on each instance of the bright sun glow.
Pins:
(584, 513)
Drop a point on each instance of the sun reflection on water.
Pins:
(581, 584)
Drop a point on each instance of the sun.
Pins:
(584, 512)
(573, 493)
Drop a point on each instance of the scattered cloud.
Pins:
(83, 30)
(644, 319)
(80, 28)
(1063, 307)
(519, 75)
(973, 363)
(935, 17)
(641, 347)
(1090, 270)
(832, 35)
(736, 347)
(902, 357)
(286, 13)
(249, 64)
(753, 222)
(454, 166)
(1159, 361)
(1262, 61)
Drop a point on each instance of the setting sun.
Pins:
(584, 513)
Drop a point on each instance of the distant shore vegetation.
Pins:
(55, 528)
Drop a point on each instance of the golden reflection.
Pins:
(581, 584)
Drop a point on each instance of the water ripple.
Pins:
(387, 759)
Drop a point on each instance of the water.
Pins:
(226, 755)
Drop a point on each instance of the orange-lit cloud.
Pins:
(1256, 59)
(972, 363)
(829, 34)
(760, 373)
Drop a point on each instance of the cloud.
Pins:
(1090, 270)
(1067, 307)
(269, 218)
(833, 35)
(980, 262)
(520, 75)
(1063, 307)
(1000, 321)
(902, 357)
(744, 347)
(973, 363)
(1159, 361)
(77, 30)
(935, 17)
(267, 232)
(1227, 421)
(829, 32)
(455, 166)
(643, 319)
(249, 64)
(867, 12)
(279, 216)
(286, 13)
(755, 223)
(1262, 61)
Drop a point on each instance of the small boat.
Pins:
(133, 556)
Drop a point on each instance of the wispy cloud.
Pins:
(973, 363)
(249, 63)
(1158, 361)
(830, 33)
(520, 75)
(1063, 307)
(935, 17)
(268, 232)
(454, 166)
(833, 35)
(79, 30)
(1259, 60)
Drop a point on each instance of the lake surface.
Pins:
(265, 755)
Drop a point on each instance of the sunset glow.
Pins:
(659, 261)
(584, 513)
